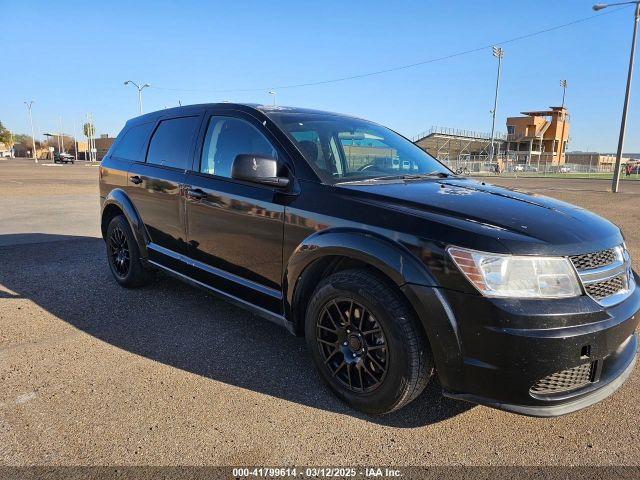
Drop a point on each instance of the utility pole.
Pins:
(274, 97)
(75, 140)
(33, 135)
(623, 123)
(91, 145)
(88, 134)
(61, 135)
(563, 84)
(499, 54)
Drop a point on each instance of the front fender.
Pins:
(403, 268)
(390, 258)
(120, 199)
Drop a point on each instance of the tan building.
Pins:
(539, 136)
(103, 144)
(600, 161)
(102, 147)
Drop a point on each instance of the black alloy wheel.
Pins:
(119, 251)
(366, 341)
(352, 345)
(123, 254)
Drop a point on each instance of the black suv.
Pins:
(390, 265)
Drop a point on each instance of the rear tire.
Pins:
(123, 254)
(366, 342)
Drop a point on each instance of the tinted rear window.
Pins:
(171, 143)
(131, 146)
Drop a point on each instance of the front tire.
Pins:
(123, 254)
(366, 342)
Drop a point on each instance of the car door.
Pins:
(235, 229)
(155, 184)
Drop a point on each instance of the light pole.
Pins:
(29, 104)
(61, 136)
(274, 97)
(140, 88)
(623, 124)
(498, 53)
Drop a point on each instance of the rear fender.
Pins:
(119, 198)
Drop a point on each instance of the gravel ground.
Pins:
(93, 374)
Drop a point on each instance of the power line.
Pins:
(398, 68)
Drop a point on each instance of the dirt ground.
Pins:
(93, 374)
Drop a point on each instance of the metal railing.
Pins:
(456, 132)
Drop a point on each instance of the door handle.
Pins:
(135, 179)
(195, 194)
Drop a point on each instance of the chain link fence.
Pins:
(504, 165)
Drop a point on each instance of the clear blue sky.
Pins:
(72, 57)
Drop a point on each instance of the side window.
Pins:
(309, 143)
(228, 137)
(171, 142)
(130, 147)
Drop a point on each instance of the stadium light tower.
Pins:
(499, 54)
(563, 84)
(140, 88)
(623, 124)
(271, 92)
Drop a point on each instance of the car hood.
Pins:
(523, 222)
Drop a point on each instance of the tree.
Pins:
(5, 136)
(89, 130)
(25, 139)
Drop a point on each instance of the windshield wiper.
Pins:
(407, 176)
(413, 176)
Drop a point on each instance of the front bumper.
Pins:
(583, 398)
(505, 347)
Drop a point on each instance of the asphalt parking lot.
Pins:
(93, 374)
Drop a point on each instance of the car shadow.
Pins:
(181, 326)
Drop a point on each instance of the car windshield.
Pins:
(344, 149)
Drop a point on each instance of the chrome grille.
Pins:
(605, 275)
(565, 380)
(594, 260)
(606, 288)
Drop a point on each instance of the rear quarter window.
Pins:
(131, 145)
(171, 143)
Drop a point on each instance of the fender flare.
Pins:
(120, 199)
(389, 257)
(409, 274)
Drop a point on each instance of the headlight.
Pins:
(517, 276)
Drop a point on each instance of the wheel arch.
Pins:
(117, 202)
(325, 253)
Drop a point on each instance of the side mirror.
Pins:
(257, 169)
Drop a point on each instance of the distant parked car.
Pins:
(519, 168)
(565, 169)
(63, 158)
